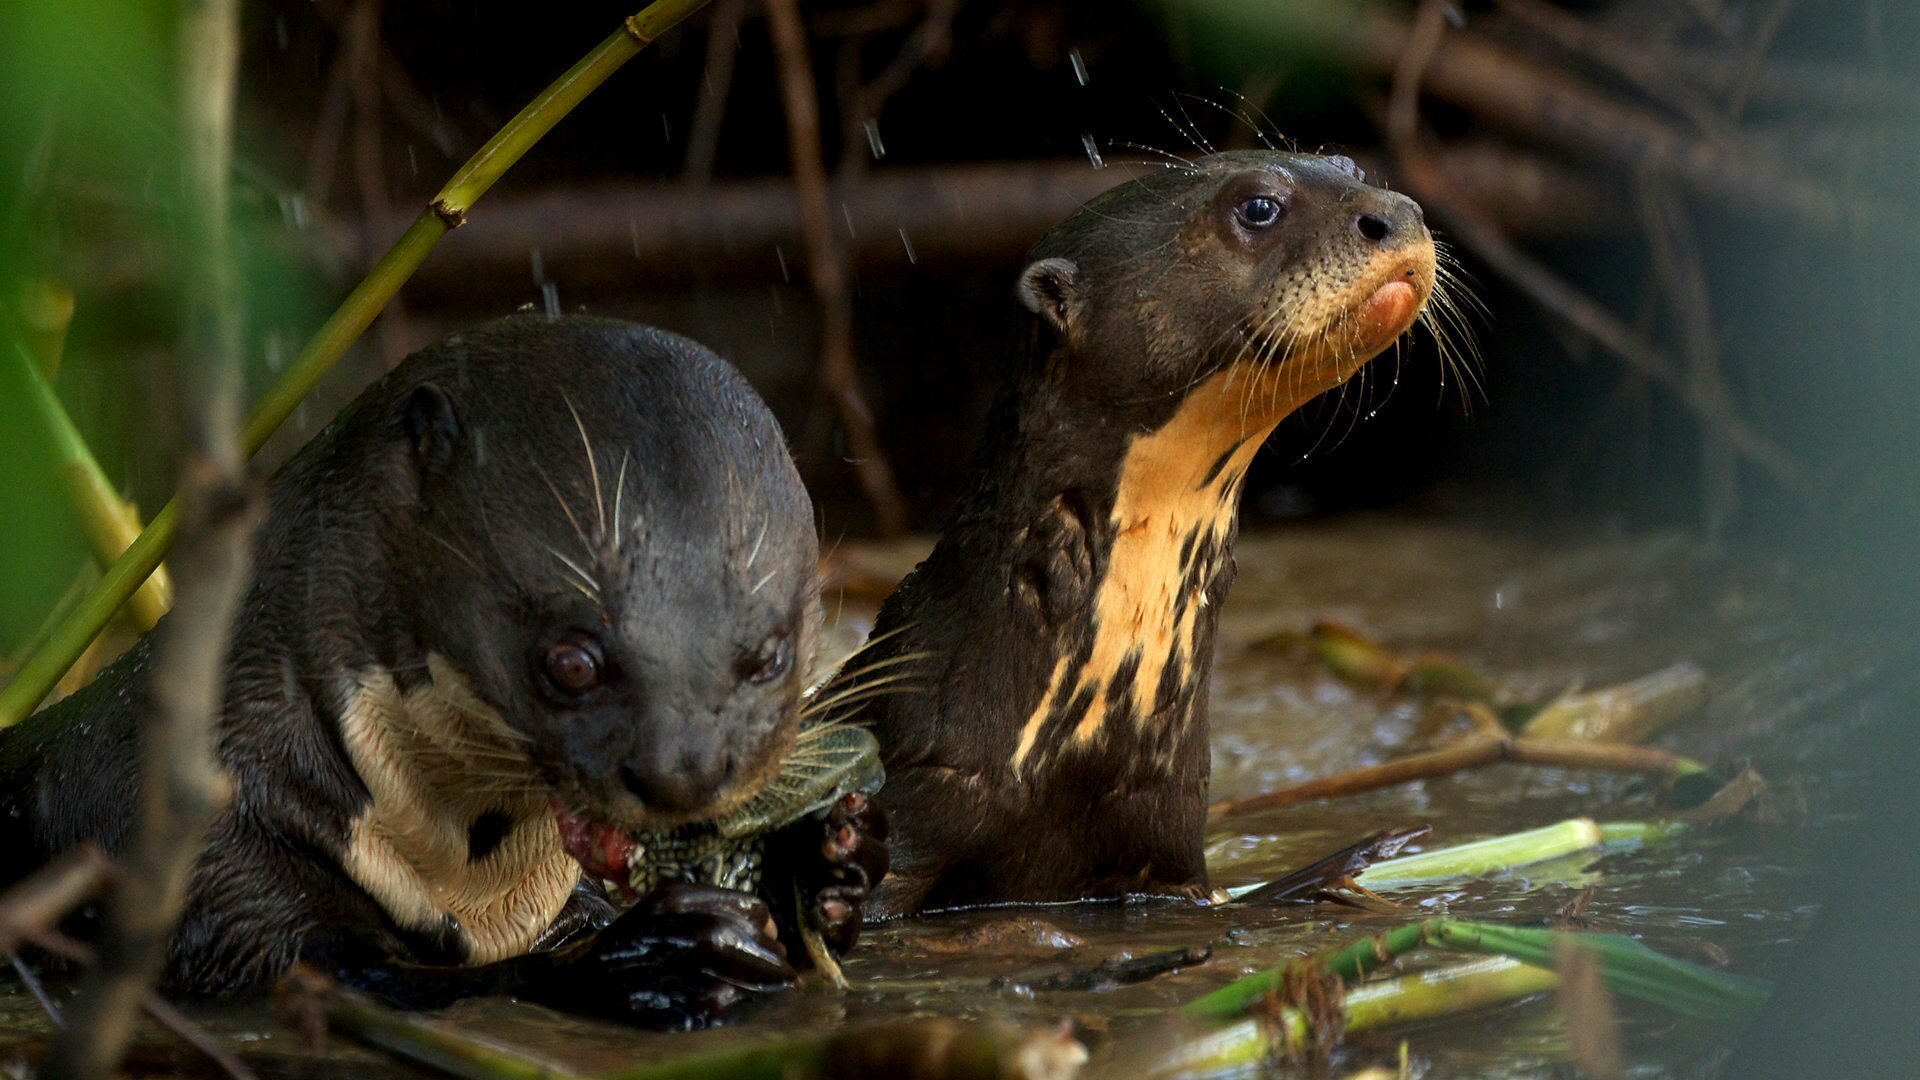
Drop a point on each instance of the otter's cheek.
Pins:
(1390, 310)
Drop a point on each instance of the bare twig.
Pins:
(65, 948)
(1561, 110)
(45, 897)
(1589, 317)
(181, 785)
(926, 45)
(1756, 58)
(1468, 753)
(1676, 259)
(413, 107)
(369, 164)
(723, 48)
(1647, 71)
(826, 266)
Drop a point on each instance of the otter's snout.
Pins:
(1389, 220)
(686, 787)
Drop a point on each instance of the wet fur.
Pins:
(1059, 748)
(415, 553)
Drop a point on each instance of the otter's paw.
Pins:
(683, 957)
(832, 864)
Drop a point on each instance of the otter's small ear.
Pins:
(432, 426)
(1047, 289)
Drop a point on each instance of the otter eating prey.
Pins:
(1056, 745)
(546, 585)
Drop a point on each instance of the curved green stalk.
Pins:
(448, 210)
(1629, 968)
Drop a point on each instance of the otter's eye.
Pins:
(572, 665)
(771, 661)
(1259, 211)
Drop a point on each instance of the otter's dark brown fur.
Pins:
(544, 567)
(1056, 745)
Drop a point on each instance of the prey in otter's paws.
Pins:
(546, 586)
(1058, 747)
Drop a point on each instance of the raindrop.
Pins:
(908, 244)
(550, 300)
(1079, 65)
(873, 140)
(1093, 151)
(785, 275)
(412, 161)
(633, 230)
(665, 131)
(847, 212)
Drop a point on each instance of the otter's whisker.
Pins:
(593, 466)
(619, 495)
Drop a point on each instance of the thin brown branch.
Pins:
(1631, 61)
(1677, 261)
(716, 83)
(1558, 109)
(43, 898)
(163, 1013)
(369, 164)
(181, 785)
(1756, 59)
(926, 46)
(414, 108)
(827, 269)
(1470, 753)
(1548, 290)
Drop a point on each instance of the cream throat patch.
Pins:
(436, 761)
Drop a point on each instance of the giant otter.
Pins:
(1055, 746)
(546, 583)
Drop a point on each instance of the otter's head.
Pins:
(610, 544)
(1286, 270)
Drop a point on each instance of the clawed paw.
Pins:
(831, 864)
(682, 957)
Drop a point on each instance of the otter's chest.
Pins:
(458, 842)
(1130, 667)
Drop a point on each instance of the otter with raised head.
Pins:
(1056, 745)
(546, 584)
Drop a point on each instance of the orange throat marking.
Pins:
(1170, 496)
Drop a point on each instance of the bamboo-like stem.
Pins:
(109, 522)
(1468, 753)
(1629, 968)
(1453, 990)
(1482, 857)
(447, 211)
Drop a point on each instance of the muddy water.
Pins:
(1541, 613)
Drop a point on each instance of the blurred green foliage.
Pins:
(90, 185)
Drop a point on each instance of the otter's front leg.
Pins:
(683, 957)
(821, 870)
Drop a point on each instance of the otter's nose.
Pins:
(1392, 220)
(683, 786)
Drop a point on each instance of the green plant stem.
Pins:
(1483, 857)
(448, 210)
(110, 524)
(1629, 968)
(1427, 995)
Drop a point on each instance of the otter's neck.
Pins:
(1087, 560)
